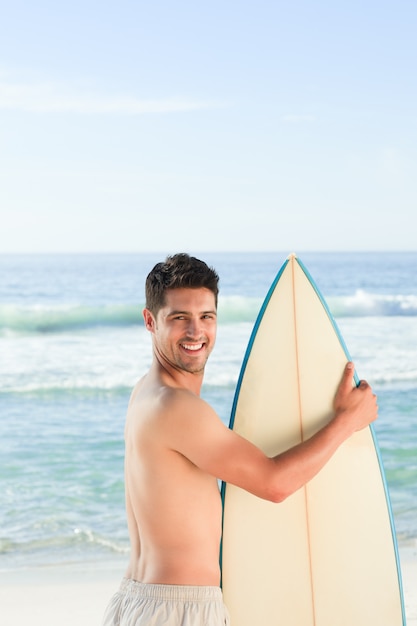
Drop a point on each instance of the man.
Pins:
(177, 447)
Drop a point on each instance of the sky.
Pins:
(227, 125)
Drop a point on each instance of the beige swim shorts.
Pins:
(140, 604)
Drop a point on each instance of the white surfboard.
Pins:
(326, 556)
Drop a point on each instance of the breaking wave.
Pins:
(232, 309)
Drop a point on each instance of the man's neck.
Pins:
(175, 377)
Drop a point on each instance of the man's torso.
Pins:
(173, 507)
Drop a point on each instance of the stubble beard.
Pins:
(192, 368)
(190, 365)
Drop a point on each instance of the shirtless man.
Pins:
(177, 447)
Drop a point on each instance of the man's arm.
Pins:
(355, 408)
(195, 431)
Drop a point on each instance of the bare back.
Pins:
(173, 507)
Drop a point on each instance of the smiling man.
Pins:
(177, 447)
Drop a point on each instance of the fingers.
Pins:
(347, 378)
(372, 401)
(357, 400)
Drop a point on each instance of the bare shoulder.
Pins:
(172, 420)
(177, 413)
(166, 409)
(162, 402)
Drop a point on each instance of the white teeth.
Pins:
(192, 347)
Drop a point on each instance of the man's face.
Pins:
(185, 328)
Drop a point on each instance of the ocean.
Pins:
(72, 345)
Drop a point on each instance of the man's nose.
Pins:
(194, 328)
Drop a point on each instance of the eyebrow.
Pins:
(175, 312)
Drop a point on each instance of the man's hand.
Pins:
(357, 404)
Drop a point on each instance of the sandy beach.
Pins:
(69, 595)
(58, 596)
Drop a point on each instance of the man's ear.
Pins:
(149, 320)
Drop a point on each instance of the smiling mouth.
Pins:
(192, 347)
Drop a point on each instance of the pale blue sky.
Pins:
(224, 125)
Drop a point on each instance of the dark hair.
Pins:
(179, 270)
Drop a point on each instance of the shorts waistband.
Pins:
(194, 593)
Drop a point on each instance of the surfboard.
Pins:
(327, 555)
